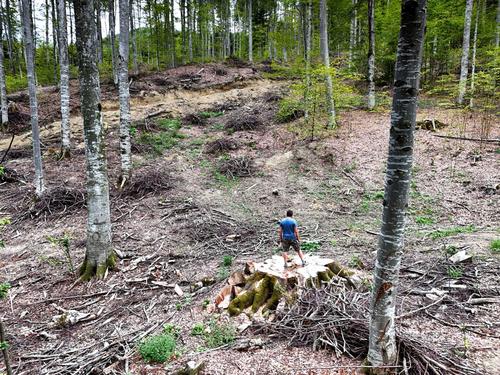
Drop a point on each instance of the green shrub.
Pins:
(289, 109)
(441, 233)
(227, 260)
(158, 348)
(495, 246)
(4, 290)
(455, 272)
(424, 220)
(209, 114)
(219, 334)
(310, 246)
(198, 329)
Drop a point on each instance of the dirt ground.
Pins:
(176, 231)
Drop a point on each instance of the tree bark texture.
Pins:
(353, 30)
(30, 70)
(325, 54)
(4, 105)
(464, 65)
(62, 35)
(382, 342)
(371, 54)
(123, 88)
(250, 30)
(132, 38)
(99, 254)
(99, 31)
(474, 47)
(112, 38)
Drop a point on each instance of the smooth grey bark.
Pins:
(4, 105)
(307, 52)
(382, 341)
(497, 38)
(190, 29)
(132, 38)
(250, 30)
(55, 45)
(325, 54)
(62, 35)
(112, 18)
(172, 35)
(99, 30)
(47, 51)
(371, 54)
(464, 65)
(474, 46)
(99, 254)
(123, 89)
(353, 30)
(30, 71)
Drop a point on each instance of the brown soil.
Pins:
(177, 232)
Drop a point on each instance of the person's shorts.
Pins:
(290, 243)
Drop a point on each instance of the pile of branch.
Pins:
(146, 182)
(240, 166)
(242, 122)
(57, 201)
(221, 145)
(236, 62)
(219, 71)
(9, 175)
(336, 317)
(19, 118)
(194, 119)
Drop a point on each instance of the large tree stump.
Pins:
(261, 287)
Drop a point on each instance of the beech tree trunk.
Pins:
(55, 44)
(112, 38)
(250, 31)
(62, 35)
(382, 342)
(99, 30)
(132, 37)
(126, 163)
(99, 254)
(307, 52)
(4, 105)
(371, 54)
(30, 71)
(464, 65)
(325, 54)
(353, 30)
(190, 29)
(497, 38)
(474, 46)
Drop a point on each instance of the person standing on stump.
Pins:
(289, 237)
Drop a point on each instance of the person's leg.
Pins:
(296, 246)
(286, 245)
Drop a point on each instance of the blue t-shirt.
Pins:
(288, 226)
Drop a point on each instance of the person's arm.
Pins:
(296, 231)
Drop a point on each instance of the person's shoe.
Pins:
(303, 263)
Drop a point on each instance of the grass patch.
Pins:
(455, 272)
(4, 290)
(424, 220)
(210, 114)
(198, 329)
(495, 246)
(227, 260)
(442, 233)
(166, 138)
(219, 334)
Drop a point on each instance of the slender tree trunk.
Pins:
(464, 65)
(99, 30)
(189, 29)
(382, 341)
(132, 37)
(497, 37)
(62, 35)
(4, 105)
(71, 16)
(325, 54)
(112, 38)
(30, 70)
(352, 34)
(172, 35)
(10, 31)
(182, 10)
(250, 31)
(54, 40)
(307, 51)
(126, 163)
(99, 254)
(474, 45)
(5, 350)
(371, 54)
(47, 19)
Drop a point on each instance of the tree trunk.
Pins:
(47, 19)
(189, 29)
(132, 37)
(474, 45)
(464, 65)
(99, 254)
(182, 10)
(126, 163)
(54, 40)
(323, 29)
(10, 32)
(62, 35)
(307, 52)
(112, 38)
(30, 70)
(371, 54)
(4, 104)
(5, 350)
(352, 34)
(172, 35)
(99, 30)
(382, 343)
(497, 38)
(250, 31)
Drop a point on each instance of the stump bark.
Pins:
(261, 287)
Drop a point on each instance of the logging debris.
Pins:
(240, 166)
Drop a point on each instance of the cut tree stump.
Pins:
(261, 287)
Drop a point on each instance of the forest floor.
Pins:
(174, 224)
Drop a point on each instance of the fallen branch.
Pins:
(8, 149)
(497, 140)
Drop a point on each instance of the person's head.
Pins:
(289, 213)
